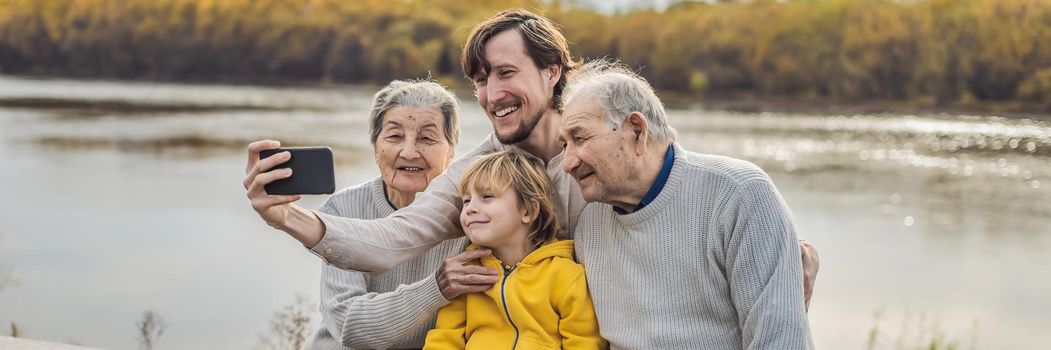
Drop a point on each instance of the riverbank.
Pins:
(1012, 109)
(29, 344)
(956, 50)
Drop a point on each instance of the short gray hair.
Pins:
(423, 93)
(620, 91)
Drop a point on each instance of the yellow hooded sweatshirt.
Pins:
(540, 303)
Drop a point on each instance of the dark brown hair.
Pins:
(544, 43)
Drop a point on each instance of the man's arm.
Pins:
(371, 246)
(378, 245)
(359, 319)
(375, 320)
(764, 270)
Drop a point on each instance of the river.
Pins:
(122, 197)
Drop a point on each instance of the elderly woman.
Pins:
(413, 128)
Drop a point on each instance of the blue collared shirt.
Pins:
(658, 184)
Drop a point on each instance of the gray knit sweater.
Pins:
(712, 263)
(390, 310)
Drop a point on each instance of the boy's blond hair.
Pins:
(496, 172)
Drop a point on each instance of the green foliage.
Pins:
(928, 50)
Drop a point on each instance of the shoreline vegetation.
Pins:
(1011, 109)
(980, 56)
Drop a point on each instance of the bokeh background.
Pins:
(911, 140)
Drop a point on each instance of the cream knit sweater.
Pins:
(390, 310)
(712, 263)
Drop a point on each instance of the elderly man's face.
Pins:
(599, 159)
(515, 93)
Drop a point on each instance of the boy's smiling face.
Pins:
(494, 219)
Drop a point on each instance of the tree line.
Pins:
(941, 51)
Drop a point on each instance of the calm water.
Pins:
(126, 197)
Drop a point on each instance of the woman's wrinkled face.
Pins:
(411, 149)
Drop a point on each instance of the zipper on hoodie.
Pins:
(503, 296)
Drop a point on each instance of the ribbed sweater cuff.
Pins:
(326, 241)
(429, 293)
(385, 321)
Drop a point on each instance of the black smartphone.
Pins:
(312, 171)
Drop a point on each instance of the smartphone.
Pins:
(312, 171)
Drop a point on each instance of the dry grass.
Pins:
(917, 332)
(288, 328)
(150, 329)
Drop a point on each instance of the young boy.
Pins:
(541, 300)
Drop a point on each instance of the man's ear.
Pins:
(636, 123)
(552, 73)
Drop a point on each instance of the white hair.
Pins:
(416, 93)
(620, 92)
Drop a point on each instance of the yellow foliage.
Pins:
(942, 50)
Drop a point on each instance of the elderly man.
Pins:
(518, 62)
(682, 250)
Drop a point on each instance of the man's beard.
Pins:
(524, 129)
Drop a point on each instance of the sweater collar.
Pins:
(658, 183)
(379, 197)
(666, 193)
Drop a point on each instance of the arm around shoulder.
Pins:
(378, 245)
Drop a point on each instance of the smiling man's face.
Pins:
(514, 93)
(599, 159)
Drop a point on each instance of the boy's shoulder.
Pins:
(567, 269)
(562, 260)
